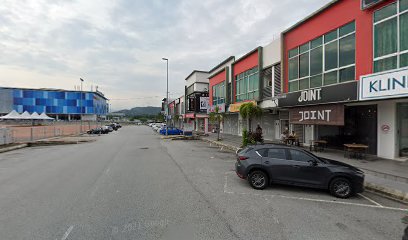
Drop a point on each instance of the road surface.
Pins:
(131, 184)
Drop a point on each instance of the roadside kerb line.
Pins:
(310, 199)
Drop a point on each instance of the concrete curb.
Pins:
(220, 144)
(389, 192)
(8, 149)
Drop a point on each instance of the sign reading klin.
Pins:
(391, 84)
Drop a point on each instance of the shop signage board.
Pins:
(343, 92)
(331, 114)
(390, 84)
(221, 108)
(204, 102)
(235, 107)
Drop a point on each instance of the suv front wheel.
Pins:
(341, 188)
(258, 179)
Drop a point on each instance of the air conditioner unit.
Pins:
(369, 3)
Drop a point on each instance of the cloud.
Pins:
(118, 44)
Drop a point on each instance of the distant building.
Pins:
(57, 103)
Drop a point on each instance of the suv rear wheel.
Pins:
(258, 179)
(405, 237)
(341, 188)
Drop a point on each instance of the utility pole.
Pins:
(82, 80)
(167, 97)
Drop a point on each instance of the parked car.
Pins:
(272, 163)
(107, 129)
(171, 131)
(405, 220)
(97, 130)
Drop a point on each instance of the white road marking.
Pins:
(107, 170)
(67, 233)
(310, 199)
(369, 199)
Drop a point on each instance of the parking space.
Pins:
(235, 185)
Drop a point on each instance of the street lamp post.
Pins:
(167, 96)
(82, 80)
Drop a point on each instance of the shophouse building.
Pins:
(345, 76)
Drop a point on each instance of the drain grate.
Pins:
(144, 148)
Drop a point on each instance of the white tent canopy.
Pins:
(12, 115)
(26, 116)
(45, 117)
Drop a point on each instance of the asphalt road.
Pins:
(132, 184)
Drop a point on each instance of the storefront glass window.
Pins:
(310, 61)
(316, 61)
(293, 68)
(330, 53)
(317, 42)
(330, 78)
(347, 74)
(316, 81)
(390, 36)
(347, 50)
(247, 84)
(218, 93)
(304, 48)
(385, 64)
(403, 5)
(304, 65)
(385, 12)
(404, 32)
(349, 28)
(330, 36)
(404, 60)
(385, 38)
(293, 86)
(304, 84)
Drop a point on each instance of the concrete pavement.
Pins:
(386, 177)
(131, 184)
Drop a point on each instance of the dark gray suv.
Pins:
(269, 163)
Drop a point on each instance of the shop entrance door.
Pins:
(403, 129)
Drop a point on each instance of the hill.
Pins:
(140, 111)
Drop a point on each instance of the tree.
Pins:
(217, 117)
(248, 111)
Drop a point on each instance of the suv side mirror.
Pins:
(313, 162)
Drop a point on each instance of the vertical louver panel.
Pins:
(277, 79)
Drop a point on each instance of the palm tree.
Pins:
(249, 110)
(217, 117)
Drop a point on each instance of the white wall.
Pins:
(271, 53)
(197, 77)
(202, 77)
(201, 87)
(387, 143)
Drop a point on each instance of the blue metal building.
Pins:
(62, 104)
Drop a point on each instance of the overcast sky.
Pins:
(118, 44)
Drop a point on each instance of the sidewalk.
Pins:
(385, 176)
